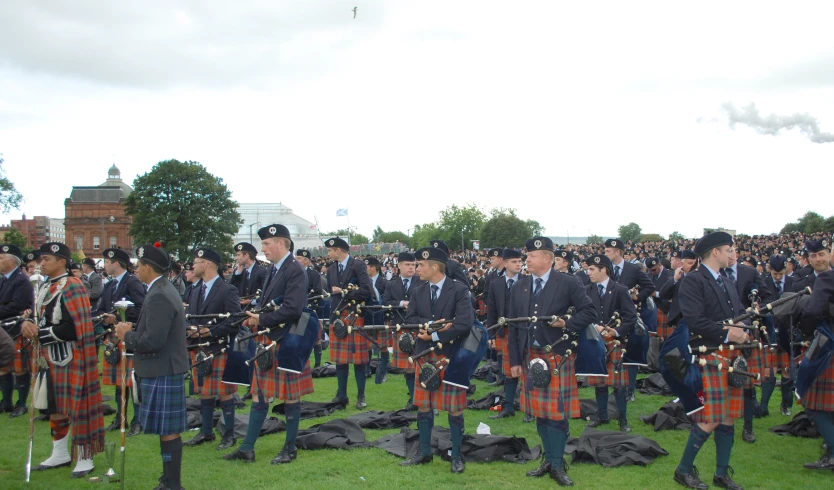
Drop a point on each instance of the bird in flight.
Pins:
(354, 12)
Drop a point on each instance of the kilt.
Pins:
(22, 360)
(59, 382)
(111, 375)
(618, 380)
(282, 385)
(721, 402)
(353, 349)
(503, 346)
(663, 330)
(820, 396)
(446, 397)
(213, 383)
(400, 359)
(756, 364)
(560, 399)
(162, 410)
(777, 359)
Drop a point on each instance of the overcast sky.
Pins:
(583, 117)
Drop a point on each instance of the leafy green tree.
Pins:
(15, 237)
(630, 232)
(183, 206)
(829, 225)
(10, 198)
(650, 237)
(505, 229)
(380, 236)
(534, 228)
(460, 225)
(355, 238)
(594, 240)
(790, 228)
(810, 222)
(676, 236)
(423, 234)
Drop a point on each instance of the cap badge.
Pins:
(200, 253)
(537, 244)
(426, 253)
(54, 248)
(272, 230)
(139, 253)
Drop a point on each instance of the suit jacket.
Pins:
(704, 303)
(559, 293)
(818, 307)
(615, 299)
(498, 302)
(770, 284)
(96, 287)
(747, 280)
(632, 275)
(381, 285)
(453, 305)
(179, 285)
(355, 273)
(130, 288)
(582, 277)
(16, 295)
(454, 270)
(157, 340)
(288, 283)
(396, 294)
(491, 276)
(659, 281)
(669, 293)
(256, 280)
(222, 298)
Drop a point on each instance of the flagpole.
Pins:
(347, 215)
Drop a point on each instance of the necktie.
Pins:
(510, 284)
(616, 273)
(601, 289)
(779, 288)
(434, 289)
(405, 285)
(730, 274)
(203, 292)
(538, 288)
(341, 269)
(721, 283)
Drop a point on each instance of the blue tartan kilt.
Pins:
(162, 410)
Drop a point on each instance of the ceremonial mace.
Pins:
(35, 280)
(121, 307)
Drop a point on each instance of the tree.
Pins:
(810, 222)
(594, 240)
(10, 198)
(183, 206)
(630, 232)
(790, 228)
(460, 225)
(355, 238)
(676, 236)
(15, 237)
(829, 225)
(505, 229)
(650, 237)
(388, 236)
(423, 234)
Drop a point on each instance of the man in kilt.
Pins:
(707, 298)
(122, 285)
(161, 361)
(819, 401)
(213, 296)
(608, 298)
(68, 368)
(377, 317)
(315, 287)
(249, 275)
(777, 282)
(498, 301)
(447, 302)
(16, 296)
(354, 349)
(287, 280)
(544, 293)
(397, 293)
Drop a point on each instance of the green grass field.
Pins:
(773, 462)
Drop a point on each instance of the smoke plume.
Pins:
(774, 124)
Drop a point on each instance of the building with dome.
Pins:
(95, 217)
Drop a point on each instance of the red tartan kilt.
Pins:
(213, 384)
(282, 385)
(821, 394)
(756, 364)
(446, 397)
(112, 376)
(721, 402)
(617, 380)
(59, 376)
(663, 330)
(502, 346)
(778, 359)
(353, 349)
(482, 307)
(22, 360)
(400, 359)
(560, 399)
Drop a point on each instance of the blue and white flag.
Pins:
(341, 212)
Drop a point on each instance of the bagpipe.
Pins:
(255, 295)
(539, 368)
(637, 346)
(551, 320)
(271, 306)
(464, 359)
(816, 361)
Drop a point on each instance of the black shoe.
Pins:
(528, 418)
(503, 414)
(457, 465)
(360, 402)
(560, 476)
(6, 408)
(81, 474)
(240, 454)
(116, 424)
(285, 456)
(497, 382)
(42, 417)
(227, 441)
(43, 467)
(748, 436)
(724, 481)
(765, 413)
(136, 429)
(690, 480)
(417, 459)
(624, 427)
(597, 422)
(344, 400)
(542, 470)
(200, 438)
(785, 411)
(17, 412)
(411, 407)
(826, 462)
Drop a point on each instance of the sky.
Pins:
(582, 116)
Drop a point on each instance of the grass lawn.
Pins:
(773, 462)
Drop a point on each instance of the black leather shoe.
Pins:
(724, 481)
(826, 462)
(6, 408)
(285, 456)
(503, 414)
(227, 441)
(200, 438)
(42, 417)
(471, 390)
(17, 412)
(598, 422)
(136, 429)
(543, 469)
(360, 402)
(43, 467)
(560, 476)
(345, 400)
(785, 411)
(765, 413)
(240, 454)
(411, 407)
(457, 465)
(528, 418)
(116, 424)
(81, 474)
(690, 480)
(624, 427)
(748, 436)
(417, 459)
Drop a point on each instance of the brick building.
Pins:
(40, 230)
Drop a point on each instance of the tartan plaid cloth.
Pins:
(777, 359)
(213, 383)
(721, 401)
(503, 346)
(22, 356)
(559, 400)
(617, 380)
(162, 410)
(755, 364)
(821, 394)
(282, 385)
(400, 359)
(446, 397)
(663, 330)
(112, 376)
(353, 349)
(76, 385)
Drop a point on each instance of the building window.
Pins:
(96, 243)
(112, 241)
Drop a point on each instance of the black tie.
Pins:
(246, 285)
(341, 269)
(729, 273)
(538, 287)
(616, 273)
(779, 288)
(601, 289)
(721, 283)
(405, 285)
(434, 289)
(202, 296)
(510, 284)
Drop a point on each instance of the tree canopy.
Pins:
(10, 198)
(355, 238)
(630, 232)
(810, 222)
(380, 236)
(506, 229)
(15, 237)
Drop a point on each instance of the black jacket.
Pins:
(16, 295)
(355, 273)
(222, 298)
(453, 305)
(616, 299)
(704, 304)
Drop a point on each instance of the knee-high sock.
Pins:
(632, 379)
(425, 422)
(601, 393)
(510, 387)
(541, 426)
(256, 420)
(409, 383)
(456, 429)
(787, 391)
(620, 396)
(501, 373)
(724, 436)
(117, 397)
(228, 408)
(748, 409)
(697, 438)
(292, 411)
(207, 415)
(317, 354)
(342, 371)
(382, 367)
(768, 386)
(7, 388)
(171, 452)
(22, 383)
(359, 374)
(558, 431)
(825, 425)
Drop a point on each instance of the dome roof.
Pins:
(114, 172)
(114, 179)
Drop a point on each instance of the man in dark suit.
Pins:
(249, 275)
(498, 302)
(496, 268)
(377, 317)
(445, 302)
(608, 298)
(562, 263)
(89, 270)
(706, 299)
(122, 285)
(343, 272)
(16, 296)
(777, 282)
(453, 268)
(316, 286)
(161, 361)
(669, 291)
(214, 296)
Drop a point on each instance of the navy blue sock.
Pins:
(409, 383)
(787, 392)
(382, 367)
(768, 386)
(22, 383)
(632, 379)
(293, 413)
(601, 393)
(558, 431)
(207, 415)
(359, 371)
(510, 387)
(425, 422)
(622, 401)
(697, 438)
(748, 409)
(825, 426)
(171, 452)
(228, 408)
(456, 430)
(7, 388)
(342, 371)
(724, 436)
(542, 426)
(256, 421)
